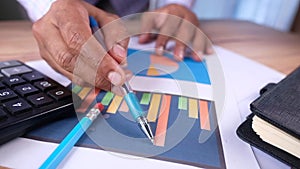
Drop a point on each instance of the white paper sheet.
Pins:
(244, 87)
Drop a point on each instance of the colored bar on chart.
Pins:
(114, 105)
(153, 108)
(145, 99)
(124, 107)
(88, 101)
(182, 103)
(107, 98)
(193, 108)
(204, 115)
(152, 71)
(76, 89)
(162, 123)
(83, 93)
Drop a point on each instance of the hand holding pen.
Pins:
(129, 96)
(64, 30)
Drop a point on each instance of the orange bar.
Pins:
(88, 101)
(162, 123)
(124, 107)
(204, 115)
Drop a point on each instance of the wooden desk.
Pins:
(280, 51)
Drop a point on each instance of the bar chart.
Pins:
(157, 107)
(177, 121)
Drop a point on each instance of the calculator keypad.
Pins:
(28, 98)
(13, 81)
(34, 76)
(15, 70)
(40, 99)
(45, 85)
(17, 106)
(6, 94)
(26, 89)
(3, 115)
(59, 94)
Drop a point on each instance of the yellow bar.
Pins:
(193, 108)
(152, 71)
(153, 109)
(114, 105)
(84, 92)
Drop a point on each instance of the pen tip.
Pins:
(152, 140)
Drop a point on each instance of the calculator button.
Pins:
(34, 76)
(17, 106)
(59, 94)
(26, 89)
(3, 115)
(13, 81)
(6, 94)
(39, 99)
(9, 64)
(44, 85)
(2, 85)
(15, 70)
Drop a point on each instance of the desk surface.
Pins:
(272, 48)
(275, 49)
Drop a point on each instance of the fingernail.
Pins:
(159, 50)
(209, 50)
(200, 55)
(180, 54)
(143, 37)
(115, 78)
(118, 90)
(119, 50)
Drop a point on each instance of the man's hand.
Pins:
(63, 31)
(178, 23)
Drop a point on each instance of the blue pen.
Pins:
(130, 98)
(71, 139)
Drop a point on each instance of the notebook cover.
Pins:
(280, 105)
(246, 133)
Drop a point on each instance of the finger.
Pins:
(147, 26)
(74, 30)
(101, 67)
(198, 47)
(168, 30)
(208, 48)
(161, 42)
(184, 37)
(57, 51)
(179, 51)
(115, 36)
(146, 37)
(112, 71)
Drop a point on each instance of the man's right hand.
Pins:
(62, 32)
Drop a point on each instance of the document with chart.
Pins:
(177, 99)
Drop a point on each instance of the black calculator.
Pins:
(29, 99)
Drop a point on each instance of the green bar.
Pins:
(107, 98)
(182, 103)
(145, 99)
(76, 89)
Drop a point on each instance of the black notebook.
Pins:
(274, 126)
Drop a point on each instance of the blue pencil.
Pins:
(71, 139)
